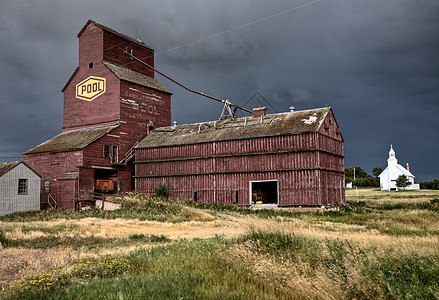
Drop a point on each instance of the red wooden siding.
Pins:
(114, 47)
(306, 173)
(104, 110)
(51, 166)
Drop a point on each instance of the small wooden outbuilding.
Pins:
(286, 159)
(19, 188)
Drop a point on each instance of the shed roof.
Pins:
(305, 121)
(5, 167)
(75, 139)
(136, 41)
(135, 77)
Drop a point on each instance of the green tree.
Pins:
(359, 173)
(377, 171)
(402, 181)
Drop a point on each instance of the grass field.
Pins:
(383, 245)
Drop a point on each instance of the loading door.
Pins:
(264, 192)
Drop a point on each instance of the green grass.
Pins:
(200, 270)
(141, 207)
(257, 265)
(193, 270)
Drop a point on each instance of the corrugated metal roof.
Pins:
(135, 77)
(75, 139)
(305, 121)
(7, 166)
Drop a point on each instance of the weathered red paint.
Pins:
(135, 108)
(308, 168)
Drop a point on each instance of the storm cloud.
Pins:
(376, 63)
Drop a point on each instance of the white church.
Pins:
(390, 174)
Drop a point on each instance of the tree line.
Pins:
(362, 179)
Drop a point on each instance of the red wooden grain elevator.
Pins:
(111, 102)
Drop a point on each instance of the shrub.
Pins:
(161, 191)
(3, 240)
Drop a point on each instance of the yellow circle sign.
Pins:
(91, 88)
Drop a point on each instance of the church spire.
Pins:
(392, 158)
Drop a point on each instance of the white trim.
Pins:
(270, 180)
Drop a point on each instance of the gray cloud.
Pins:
(376, 63)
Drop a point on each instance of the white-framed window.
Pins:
(22, 186)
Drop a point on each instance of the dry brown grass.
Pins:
(17, 262)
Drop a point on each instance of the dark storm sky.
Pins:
(376, 63)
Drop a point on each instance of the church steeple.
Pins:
(392, 158)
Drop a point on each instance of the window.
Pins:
(236, 196)
(47, 186)
(330, 120)
(106, 151)
(114, 157)
(90, 65)
(195, 196)
(129, 51)
(22, 186)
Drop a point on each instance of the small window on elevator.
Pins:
(90, 65)
(114, 154)
(129, 52)
(106, 151)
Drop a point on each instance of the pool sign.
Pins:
(90, 88)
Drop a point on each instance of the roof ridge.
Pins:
(124, 36)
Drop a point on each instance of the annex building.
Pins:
(287, 159)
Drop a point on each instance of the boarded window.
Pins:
(22, 186)
(106, 151)
(46, 186)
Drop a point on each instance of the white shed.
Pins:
(19, 188)
(393, 171)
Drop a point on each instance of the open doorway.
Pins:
(105, 181)
(264, 192)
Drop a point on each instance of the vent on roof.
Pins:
(259, 112)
